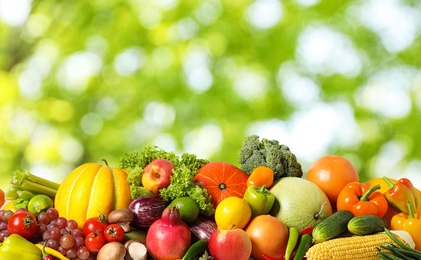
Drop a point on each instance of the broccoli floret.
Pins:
(269, 153)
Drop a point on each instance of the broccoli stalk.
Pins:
(269, 153)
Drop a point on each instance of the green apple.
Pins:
(299, 203)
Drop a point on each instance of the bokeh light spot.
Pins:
(397, 24)
(204, 141)
(386, 93)
(15, 12)
(159, 114)
(322, 50)
(197, 74)
(91, 124)
(77, 69)
(250, 84)
(264, 14)
(129, 61)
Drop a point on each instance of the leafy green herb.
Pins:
(182, 184)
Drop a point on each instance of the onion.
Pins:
(169, 237)
(147, 209)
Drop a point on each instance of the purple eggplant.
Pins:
(202, 227)
(147, 209)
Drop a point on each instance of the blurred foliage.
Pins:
(85, 80)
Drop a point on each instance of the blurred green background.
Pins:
(86, 80)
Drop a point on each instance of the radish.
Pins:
(169, 237)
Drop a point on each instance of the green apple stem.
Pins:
(317, 215)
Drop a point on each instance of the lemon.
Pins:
(39, 203)
(232, 212)
(188, 207)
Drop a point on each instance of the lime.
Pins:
(188, 207)
(40, 203)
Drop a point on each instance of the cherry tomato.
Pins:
(114, 233)
(94, 241)
(95, 224)
(24, 224)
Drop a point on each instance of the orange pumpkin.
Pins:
(222, 180)
(92, 189)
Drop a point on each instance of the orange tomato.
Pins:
(268, 236)
(260, 176)
(331, 173)
(2, 200)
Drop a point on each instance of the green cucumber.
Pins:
(366, 225)
(332, 226)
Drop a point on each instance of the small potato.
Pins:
(112, 251)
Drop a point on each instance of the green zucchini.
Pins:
(332, 226)
(366, 225)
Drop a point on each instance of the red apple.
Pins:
(157, 174)
(230, 244)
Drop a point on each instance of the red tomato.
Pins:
(95, 224)
(24, 224)
(94, 241)
(114, 233)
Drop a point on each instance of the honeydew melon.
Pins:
(299, 203)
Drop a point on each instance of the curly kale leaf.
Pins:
(270, 153)
(182, 183)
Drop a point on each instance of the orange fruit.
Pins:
(222, 180)
(2, 200)
(331, 173)
(268, 235)
(232, 212)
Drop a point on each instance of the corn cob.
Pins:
(353, 247)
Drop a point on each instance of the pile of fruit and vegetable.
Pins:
(159, 205)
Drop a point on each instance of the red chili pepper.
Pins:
(266, 257)
(45, 256)
(307, 231)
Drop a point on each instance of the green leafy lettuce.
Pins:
(182, 184)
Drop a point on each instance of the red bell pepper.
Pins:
(401, 192)
(361, 200)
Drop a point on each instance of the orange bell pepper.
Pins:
(362, 200)
(409, 222)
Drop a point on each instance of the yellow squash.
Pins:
(92, 189)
